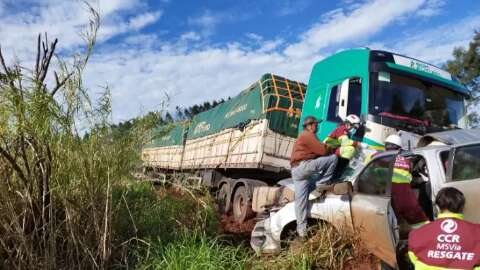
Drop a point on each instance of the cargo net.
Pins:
(280, 94)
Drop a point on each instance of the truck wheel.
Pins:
(222, 200)
(242, 206)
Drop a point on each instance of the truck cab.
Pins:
(389, 91)
(367, 208)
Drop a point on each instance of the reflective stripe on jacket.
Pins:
(401, 171)
(340, 139)
(404, 201)
(447, 243)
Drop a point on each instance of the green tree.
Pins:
(466, 67)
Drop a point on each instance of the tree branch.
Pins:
(60, 84)
(46, 61)
(37, 63)
(14, 164)
(2, 62)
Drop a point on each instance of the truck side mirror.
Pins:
(343, 188)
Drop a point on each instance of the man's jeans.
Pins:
(306, 176)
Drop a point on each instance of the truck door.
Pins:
(372, 214)
(463, 173)
(345, 98)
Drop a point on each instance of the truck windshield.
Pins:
(413, 101)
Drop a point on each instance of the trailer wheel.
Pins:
(222, 200)
(242, 206)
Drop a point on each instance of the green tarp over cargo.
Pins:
(168, 135)
(274, 98)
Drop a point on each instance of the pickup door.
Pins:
(463, 173)
(372, 214)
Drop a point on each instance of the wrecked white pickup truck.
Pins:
(452, 160)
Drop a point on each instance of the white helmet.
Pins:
(394, 139)
(353, 119)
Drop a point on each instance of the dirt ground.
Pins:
(230, 226)
(367, 263)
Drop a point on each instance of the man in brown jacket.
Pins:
(312, 164)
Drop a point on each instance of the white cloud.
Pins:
(436, 45)
(290, 7)
(270, 45)
(65, 20)
(189, 77)
(191, 35)
(262, 44)
(254, 37)
(143, 40)
(338, 26)
(207, 22)
(431, 8)
(142, 20)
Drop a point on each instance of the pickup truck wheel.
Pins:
(222, 200)
(242, 206)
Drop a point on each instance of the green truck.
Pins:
(246, 142)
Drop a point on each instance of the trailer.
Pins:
(240, 144)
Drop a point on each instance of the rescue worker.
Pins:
(312, 164)
(448, 242)
(341, 140)
(341, 137)
(404, 202)
(392, 143)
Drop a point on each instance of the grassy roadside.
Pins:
(171, 229)
(175, 228)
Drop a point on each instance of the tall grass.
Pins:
(171, 229)
(56, 184)
(197, 251)
(142, 217)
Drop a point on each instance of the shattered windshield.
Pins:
(413, 101)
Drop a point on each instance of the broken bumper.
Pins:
(261, 239)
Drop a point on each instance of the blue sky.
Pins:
(195, 51)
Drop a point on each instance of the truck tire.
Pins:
(242, 206)
(223, 202)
